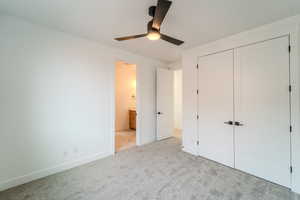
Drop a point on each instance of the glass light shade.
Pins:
(153, 35)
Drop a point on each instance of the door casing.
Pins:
(234, 49)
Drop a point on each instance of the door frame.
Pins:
(113, 99)
(294, 41)
(288, 26)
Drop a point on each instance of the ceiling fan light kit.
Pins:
(158, 13)
(153, 35)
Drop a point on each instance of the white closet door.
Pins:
(262, 106)
(216, 107)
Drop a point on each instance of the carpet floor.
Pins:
(158, 171)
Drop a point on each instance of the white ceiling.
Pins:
(194, 21)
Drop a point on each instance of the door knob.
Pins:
(159, 113)
(229, 122)
(238, 124)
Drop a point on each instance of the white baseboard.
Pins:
(296, 189)
(163, 137)
(50, 171)
(190, 151)
(141, 143)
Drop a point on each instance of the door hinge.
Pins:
(198, 142)
(290, 48)
(291, 169)
(197, 67)
(197, 116)
(291, 128)
(290, 88)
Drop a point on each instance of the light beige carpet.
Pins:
(159, 171)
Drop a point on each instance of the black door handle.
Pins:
(159, 113)
(238, 124)
(229, 122)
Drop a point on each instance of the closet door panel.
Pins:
(215, 107)
(262, 144)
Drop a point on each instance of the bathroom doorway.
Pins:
(125, 106)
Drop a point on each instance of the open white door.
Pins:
(164, 111)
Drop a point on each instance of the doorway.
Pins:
(125, 106)
(178, 104)
(169, 103)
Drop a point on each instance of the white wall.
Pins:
(125, 91)
(57, 100)
(176, 65)
(178, 99)
(288, 26)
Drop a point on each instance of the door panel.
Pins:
(262, 144)
(165, 90)
(215, 107)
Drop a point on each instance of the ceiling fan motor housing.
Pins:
(150, 28)
(151, 11)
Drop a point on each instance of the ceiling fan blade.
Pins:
(130, 37)
(160, 13)
(171, 40)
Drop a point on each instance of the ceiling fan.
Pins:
(158, 13)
